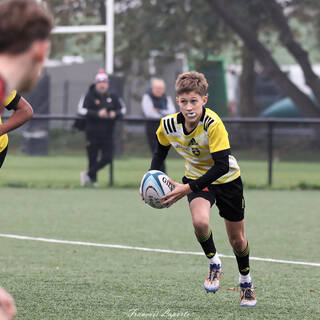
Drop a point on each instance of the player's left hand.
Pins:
(176, 194)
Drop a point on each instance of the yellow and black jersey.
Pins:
(197, 147)
(10, 102)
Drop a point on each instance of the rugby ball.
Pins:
(154, 185)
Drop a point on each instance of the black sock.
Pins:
(243, 260)
(207, 245)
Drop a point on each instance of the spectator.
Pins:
(155, 105)
(100, 109)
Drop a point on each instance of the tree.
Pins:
(263, 55)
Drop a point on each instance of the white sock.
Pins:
(246, 278)
(215, 259)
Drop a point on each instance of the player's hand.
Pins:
(112, 114)
(7, 307)
(103, 113)
(176, 194)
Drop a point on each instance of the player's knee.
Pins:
(200, 226)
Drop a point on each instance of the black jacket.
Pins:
(94, 102)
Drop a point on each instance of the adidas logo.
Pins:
(192, 142)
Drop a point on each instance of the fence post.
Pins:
(111, 174)
(65, 97)
(270, 152)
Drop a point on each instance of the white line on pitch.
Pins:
(118, 246)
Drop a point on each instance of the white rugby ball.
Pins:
(154, 185)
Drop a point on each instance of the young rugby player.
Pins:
(212, 175)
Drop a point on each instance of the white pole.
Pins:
(79, 29)
(109, 36)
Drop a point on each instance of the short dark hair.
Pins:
(21, 23)
(192, 81)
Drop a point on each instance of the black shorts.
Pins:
(3, 155)
(227, 196)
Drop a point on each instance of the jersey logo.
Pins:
(194, 150)
(192, 142)
(169, 125)
(207, 122)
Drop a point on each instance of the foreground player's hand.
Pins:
(7, 307)
(179, 191)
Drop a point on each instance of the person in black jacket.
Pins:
(100, 109)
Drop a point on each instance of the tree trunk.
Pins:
(287, 39)
(272, 70)
(247, 85)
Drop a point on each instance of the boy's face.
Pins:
(191, 104)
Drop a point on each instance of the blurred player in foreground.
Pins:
(212, 175)
(22, 113)
(25, 26)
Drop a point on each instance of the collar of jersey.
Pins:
(181, 119)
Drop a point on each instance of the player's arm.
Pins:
(220, 168)
(159, 156)
(162, 149)
(22, 113)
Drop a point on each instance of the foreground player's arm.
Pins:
(7, 307)
(22, 113)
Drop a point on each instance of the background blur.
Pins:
(261, 60)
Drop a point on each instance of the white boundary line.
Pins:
(118, 246)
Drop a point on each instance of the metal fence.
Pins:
(264, 139)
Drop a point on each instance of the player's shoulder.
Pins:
(169, 123)
(210, 119)
(10, 97)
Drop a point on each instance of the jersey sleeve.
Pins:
(218, 138)
(162, 138)
(12, 100)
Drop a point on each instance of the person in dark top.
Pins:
(100, 109)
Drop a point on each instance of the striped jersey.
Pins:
(196, 147)
(10, 102)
